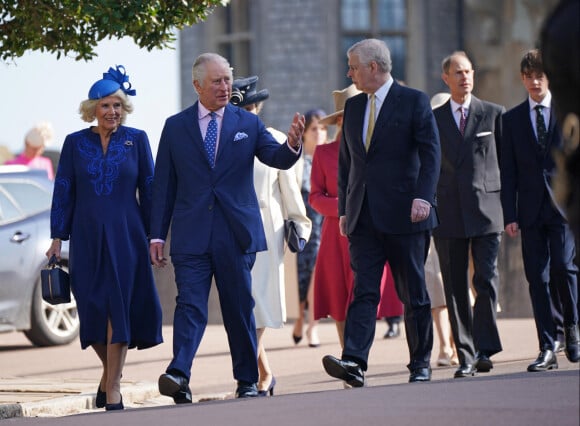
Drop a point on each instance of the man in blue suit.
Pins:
(530, 135)
(203, 185)
(389, 164)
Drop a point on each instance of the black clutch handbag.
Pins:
(295, 243)
(55, 283)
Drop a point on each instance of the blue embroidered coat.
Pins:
(102, 202)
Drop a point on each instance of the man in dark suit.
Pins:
(203, 185)
(530, 135)
(389, 163)
(468, 195)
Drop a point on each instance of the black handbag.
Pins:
(55, 283)
(295, 243)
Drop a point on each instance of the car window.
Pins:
(30, 197)
(8, 211)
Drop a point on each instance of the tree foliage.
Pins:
(74, 27)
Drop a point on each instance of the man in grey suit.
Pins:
(469, 207)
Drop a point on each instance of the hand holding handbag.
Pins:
(295, 243)
(55, 283)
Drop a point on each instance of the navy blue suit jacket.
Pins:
(526, 171)
(402, 162)
(186, 189)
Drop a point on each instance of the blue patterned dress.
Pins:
(102, 203)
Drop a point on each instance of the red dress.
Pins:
(333, 276)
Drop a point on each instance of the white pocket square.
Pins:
(482, 134)
(239, 136)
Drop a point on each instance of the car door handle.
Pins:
(19, 237)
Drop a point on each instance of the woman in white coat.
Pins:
(280, 198)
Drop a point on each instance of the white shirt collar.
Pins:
(383, 91)
(203, 111)
(546, 102)
(465, 105)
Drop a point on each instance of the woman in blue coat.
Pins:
(101, 202)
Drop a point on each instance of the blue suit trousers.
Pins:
(231, 268)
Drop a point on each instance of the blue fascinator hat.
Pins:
(113, 80)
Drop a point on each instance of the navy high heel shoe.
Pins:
(117, 406)
(270, 389)
(101, 399)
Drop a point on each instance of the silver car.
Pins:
(25, 199)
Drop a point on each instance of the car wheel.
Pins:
(52, 325)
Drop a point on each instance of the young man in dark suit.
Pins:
(389, 163)
(530, 134)
(469, 207)
(204, 186)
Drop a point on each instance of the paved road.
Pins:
(58, 385)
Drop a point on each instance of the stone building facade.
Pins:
(297, 47)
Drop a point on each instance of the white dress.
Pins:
(279, 198)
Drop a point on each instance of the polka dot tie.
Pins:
(211, 139)
(541, 131)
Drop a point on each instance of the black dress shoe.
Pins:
(246, 390)
(420, 375)
(464, 370)
(482, 363)
(349, 371)
(572, 343)
(558, 346)
(547, 360)
(176, 387)
(393, 331)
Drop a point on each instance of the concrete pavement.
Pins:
(61, 381)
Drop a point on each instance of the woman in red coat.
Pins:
(333, 276)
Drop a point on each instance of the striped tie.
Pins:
(462, 120)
